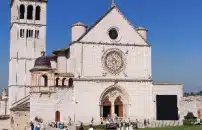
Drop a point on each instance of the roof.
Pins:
(60, 50)
(79, 24)
(42, 61)
(52, 58)
(99, 20)
(21, 105)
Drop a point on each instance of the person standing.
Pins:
(145, 123)
(81, 126)
(32, 125)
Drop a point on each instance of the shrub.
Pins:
(189, 122)
(189, 116)
(101, 127)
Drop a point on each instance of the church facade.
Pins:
(105, 70)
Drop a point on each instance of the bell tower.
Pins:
(27, 41)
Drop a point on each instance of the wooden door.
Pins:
(57, 116)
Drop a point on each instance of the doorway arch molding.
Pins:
(114, 91)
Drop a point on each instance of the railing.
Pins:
(42, 89)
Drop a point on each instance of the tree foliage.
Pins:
(199, 93)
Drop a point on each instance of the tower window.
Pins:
(29, 33)
(30, 12)
(37, 34)
(38, 11)
(22, 11)
(22, 31)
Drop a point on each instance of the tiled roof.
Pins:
(42, 61)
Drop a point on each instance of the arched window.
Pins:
(44, 81)
(57, 82)
(57, 116)
(30, 12)
(70, 82)
(22, 11)
(63, 82)
(38, 11)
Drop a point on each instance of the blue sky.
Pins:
(175, 33)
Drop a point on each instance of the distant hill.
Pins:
(193, 94)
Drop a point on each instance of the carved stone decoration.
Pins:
(113, 61)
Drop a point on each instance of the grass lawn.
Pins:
(167, 128)
(177, 128)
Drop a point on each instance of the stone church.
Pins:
(105, 70)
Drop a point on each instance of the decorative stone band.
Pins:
(28, 86)
(113, 80)
(39, 25)
(23, 58)
(166, 84)
(115, 44)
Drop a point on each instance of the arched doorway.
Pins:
(106, 108)
(57, 116)
(114, 100)
(118, 104)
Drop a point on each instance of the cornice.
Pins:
(46, 1)
(166, 84)
(112, 80)
(98, 43)
(111, 44)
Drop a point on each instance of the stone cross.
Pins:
(113, 3)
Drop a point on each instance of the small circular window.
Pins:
(113, 34)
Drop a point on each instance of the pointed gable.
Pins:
(99, 32)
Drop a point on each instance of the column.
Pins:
(112, 108)
(101, 110)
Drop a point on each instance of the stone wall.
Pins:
(20, 120)
(191, 104)
(4, 124)
(168, 89)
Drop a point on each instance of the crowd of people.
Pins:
(37, 126)
(111, 119)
